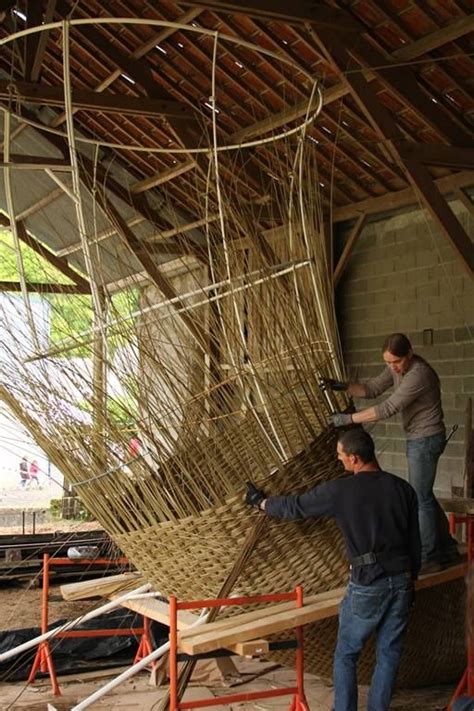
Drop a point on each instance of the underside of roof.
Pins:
(136, 99)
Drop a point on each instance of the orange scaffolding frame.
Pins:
(43, 660)
(467, 680)
(298, 703)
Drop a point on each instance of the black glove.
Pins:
(331, 384)
(254, 496)
(341, 420)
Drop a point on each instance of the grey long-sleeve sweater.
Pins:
(416, 395)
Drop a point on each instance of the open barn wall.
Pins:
(403, 276)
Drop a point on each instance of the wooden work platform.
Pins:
(459, 506)
(243, 634)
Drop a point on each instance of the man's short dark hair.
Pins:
(358, 442)
(397, 344)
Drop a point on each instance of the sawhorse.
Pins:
(466, 685)
(43, 660)
(298, 702)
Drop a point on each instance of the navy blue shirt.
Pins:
(377, 512)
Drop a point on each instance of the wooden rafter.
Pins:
(403, 83)
(34, 16)
(458, 28)
(349, 248)
(465, 199)
(432, 41)
(44, 288)
(298, 12)
(416, 172)
(57, 262)
(34, 74)
(139, 53)
(154, 180)
(40, 204)
(90, 100)
(138, 71)
(22, 162)
(461, 158)
(448, 185)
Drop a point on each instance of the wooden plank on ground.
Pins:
(101, 587)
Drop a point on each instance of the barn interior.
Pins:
(208, 211)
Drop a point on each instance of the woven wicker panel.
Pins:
(192, 557)
(434, 652)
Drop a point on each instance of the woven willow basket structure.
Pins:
(218, 353)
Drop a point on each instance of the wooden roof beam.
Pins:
(415, 49)
(349, 248)
(43, 94)
(416, 172)
(167, 175)
(43, 251)
(458, 28)
(44, 288)
(403, 83)
(138, 71)
(448, 185)
(439, 154)
(22, 162)
(34, 17)
(139, 53)
(465, 199)
(35, 71)
(297, 12)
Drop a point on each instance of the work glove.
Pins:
(254, 496)
(341, 420)
(331, 384)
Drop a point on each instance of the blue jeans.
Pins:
(423, 454)
(383, 608)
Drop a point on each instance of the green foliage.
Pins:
(55, 507)
(122, 411)
(70, 314)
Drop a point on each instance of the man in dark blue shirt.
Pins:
(378, 516)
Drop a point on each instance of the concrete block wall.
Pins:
(404, 276)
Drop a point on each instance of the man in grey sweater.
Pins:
(417, 396)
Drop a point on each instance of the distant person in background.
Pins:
(33, 472)
(134, 447)
(24, 475)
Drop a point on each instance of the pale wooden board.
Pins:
(209, 640)
(444, 576)
(101, 587)
(462, 506)
(265, 611)
(246, 627)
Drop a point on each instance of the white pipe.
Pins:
(69, 625)
(156, 654)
